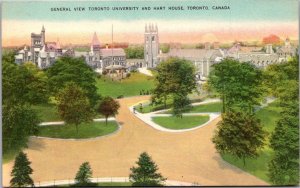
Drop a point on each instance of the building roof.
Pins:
(115, 52)
(194, 54)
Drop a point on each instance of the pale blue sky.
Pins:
(240, 10)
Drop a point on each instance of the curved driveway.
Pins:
(188, 156)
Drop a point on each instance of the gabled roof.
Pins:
(116, 52)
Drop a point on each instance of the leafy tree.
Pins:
(276, 75)
(175, 77)
(73, 105)
(37, 86)
(134, 52)
(146, 173)
(180, 104)
(284, 166)
(21, 172)
(108, 107)
(22, 83)
(165, 48)
(83, 175)
(239, 134)
(68, 69)
(18, 122)
(238, 84)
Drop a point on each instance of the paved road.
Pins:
(187, 157)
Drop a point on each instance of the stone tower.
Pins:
(151, 45)
(37, 43)
(43, 41)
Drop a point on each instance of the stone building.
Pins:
(102, 58)
(41, 53)
(151, 46)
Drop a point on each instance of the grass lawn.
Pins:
(259, 166)
(10, 155)
(151, 108)
(127, 87)
(210, 107)
(186, 122)
(90, 130)
(47, 112)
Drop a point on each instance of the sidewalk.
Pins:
(62, 122)
(147, 117)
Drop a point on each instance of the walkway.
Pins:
(147, 117)
(185, 157)
(145, 71)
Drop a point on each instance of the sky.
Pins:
(246, 20)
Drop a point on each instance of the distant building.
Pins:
(41, 53)
(203, 59)
(287, 50)
(101, 59)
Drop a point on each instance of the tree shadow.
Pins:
(225, 165)
(36, 144)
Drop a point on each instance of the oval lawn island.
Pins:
(186, 122)
(85, 130)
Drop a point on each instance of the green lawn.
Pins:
(259, 166)
(151, 108)
(210, 107)
(47, 112)
(90, 130)
(10, 155)
(127, 87)
(186, 122)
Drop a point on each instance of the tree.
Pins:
(83, 175)
(134, 52)
(146, 173)
(174, 76)
(108, 107)
(18, 123)
(73, 105)
(21, 172)
(67, 69)
(180, 104)
(284, 166)
(238, 84)
(38, 91)
(22, 83)
(239, 134)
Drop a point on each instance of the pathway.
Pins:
(147, 117)
(185, 157)
(145, 71)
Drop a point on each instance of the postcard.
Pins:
(150, 93)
